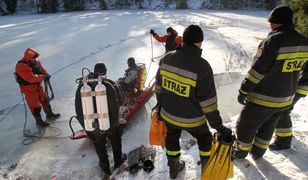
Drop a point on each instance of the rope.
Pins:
(70, 124)
(30, 138)
(146, 77)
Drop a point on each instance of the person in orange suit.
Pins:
(171, 39)
(29, 75)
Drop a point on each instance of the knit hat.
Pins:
(193, 34)
(170, 29)
(100, 68)
(281, 15)
(131, 62)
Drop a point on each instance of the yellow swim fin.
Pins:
(220, 164)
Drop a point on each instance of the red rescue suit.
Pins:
(29, 74)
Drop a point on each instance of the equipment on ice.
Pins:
(141, 157)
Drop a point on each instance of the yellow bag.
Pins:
(158, 130)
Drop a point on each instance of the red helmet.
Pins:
(30, 53)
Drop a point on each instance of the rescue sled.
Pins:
(132, 102)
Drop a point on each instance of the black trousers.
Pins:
(284, 125)
(255, 127)
(100, 143)
(202, 134)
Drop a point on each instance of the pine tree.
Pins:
(300, 9)
(10, 5)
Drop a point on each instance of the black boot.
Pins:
(50, 114)
(38, 118)
(40, 122)
(276, 146)
(175, 166)
(204, 160)
(119, 162)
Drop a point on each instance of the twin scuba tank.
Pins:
(87, 101)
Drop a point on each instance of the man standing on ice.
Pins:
(171, 39)
(29, 75)
(270, 85)
(187, 99)
(114, 133)
(283, 130)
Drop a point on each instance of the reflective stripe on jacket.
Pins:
(185, 89)
(275, 74)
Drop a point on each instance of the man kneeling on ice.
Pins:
(97, 108)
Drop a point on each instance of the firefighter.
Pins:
(270, 84)
(29, 75)
(127, 83)
(114, 133)
(186, 97)
(171, 39)
(283, 130)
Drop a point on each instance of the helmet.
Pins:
(30, 53)
(131, 62)
(100, 68)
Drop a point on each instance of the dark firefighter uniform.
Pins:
(186, 96)
(270, 87)
(186, 93)
(172, 40)
(283, 130)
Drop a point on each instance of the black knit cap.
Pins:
(100, 68)
(170, 29)
(193, 34)
(131, 62)
(281, 15)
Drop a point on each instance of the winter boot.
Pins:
(276, 146)
(281, 143)
(175, 166)
(118, 163)
(50, 114)
(204, 160)
(38, 118)
(40, 122)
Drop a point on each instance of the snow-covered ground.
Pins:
(68, 42)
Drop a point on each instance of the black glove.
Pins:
(241, 98)
(47, 77)
(225, 133)
(152, 32)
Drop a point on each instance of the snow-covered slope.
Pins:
(68, 42)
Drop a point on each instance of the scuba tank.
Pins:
(102, 105)
(87, 106)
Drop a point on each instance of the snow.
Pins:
(68, 42)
